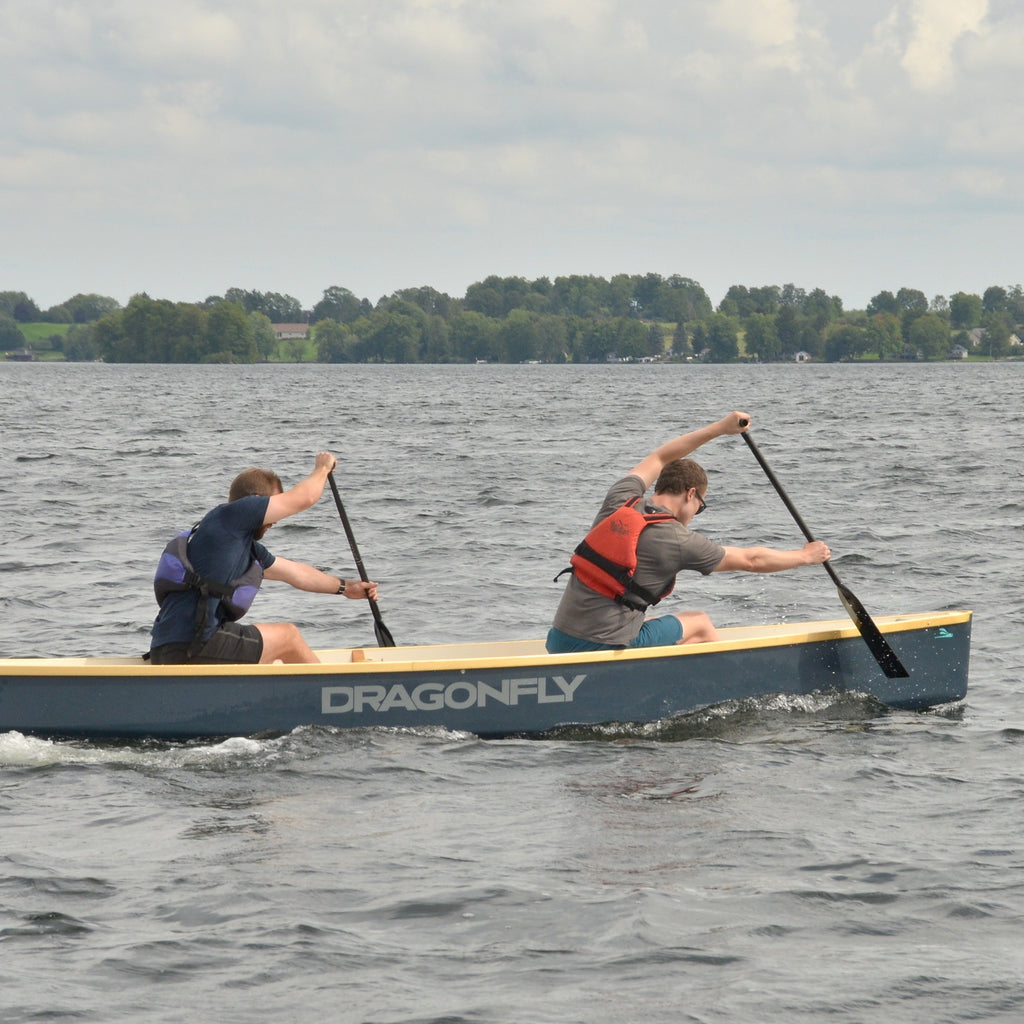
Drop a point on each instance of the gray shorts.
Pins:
(232, 644)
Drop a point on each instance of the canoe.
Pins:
(491, 689)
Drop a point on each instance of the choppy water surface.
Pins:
(784, 860)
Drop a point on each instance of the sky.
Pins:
(183, 148)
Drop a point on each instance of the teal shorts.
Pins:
(660, 632)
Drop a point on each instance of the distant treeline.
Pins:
(510, 319)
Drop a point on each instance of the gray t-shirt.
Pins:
(664, 549)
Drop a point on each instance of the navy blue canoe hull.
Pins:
(490, 689)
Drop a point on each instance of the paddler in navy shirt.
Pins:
(208, 577)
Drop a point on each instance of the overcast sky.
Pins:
(182, 147)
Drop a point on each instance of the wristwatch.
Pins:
(341, 587)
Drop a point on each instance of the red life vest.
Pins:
(605, 560)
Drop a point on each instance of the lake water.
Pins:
(793, 860)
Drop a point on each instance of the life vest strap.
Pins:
(632, 589)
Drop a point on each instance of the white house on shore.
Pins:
(291, 332)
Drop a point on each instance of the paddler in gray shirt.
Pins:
(631, 556)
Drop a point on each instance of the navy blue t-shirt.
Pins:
(221, 548)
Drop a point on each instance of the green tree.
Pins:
(263, 335)
(631, 338)
(995, 299)
(911, 300)
(883, 302)
(911, 304)
(884, 335)
(723, 338)
(765, 299)
(486, 297)
(681, 340)
(646, 289)
(580, 295)
(151, 331)
(748, 301)
(792, 296)
(109, 338)
(656, 340)
(229, 335)
(148, 328)
(430, 300)
(554, 338)
(498, 296)
(340, 304)
(78, 344)
(965, 311)
(189, 339)
(679, 300)
(334, 341)
(19, 306)
(998, 329)
(295, 349)
(597, 340)
(1015, 303)
(10, 333)
(929, 336)
(729, 306)
(277, 308)
(761, 337)
(435, 340)
(388, 337)
(58, 315)
(699, 339)
(846, 342)
(822, 307)
(87, 309)
(812, 337)
(787, 329)
(519, 337)
(473, 336)
(620, 296)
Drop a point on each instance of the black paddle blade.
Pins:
(886, 657)
(383, 635)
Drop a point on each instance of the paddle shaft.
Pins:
(786, 501)
(381, 631)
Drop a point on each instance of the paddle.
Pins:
(885, 656)
(383, 634)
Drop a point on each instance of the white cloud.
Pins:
(770, 27)
(938, 25)
(170, 37)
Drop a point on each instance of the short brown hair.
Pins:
(679, 476)
(254, 481)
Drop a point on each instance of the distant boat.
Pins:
(22, 355)
(491, 689)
